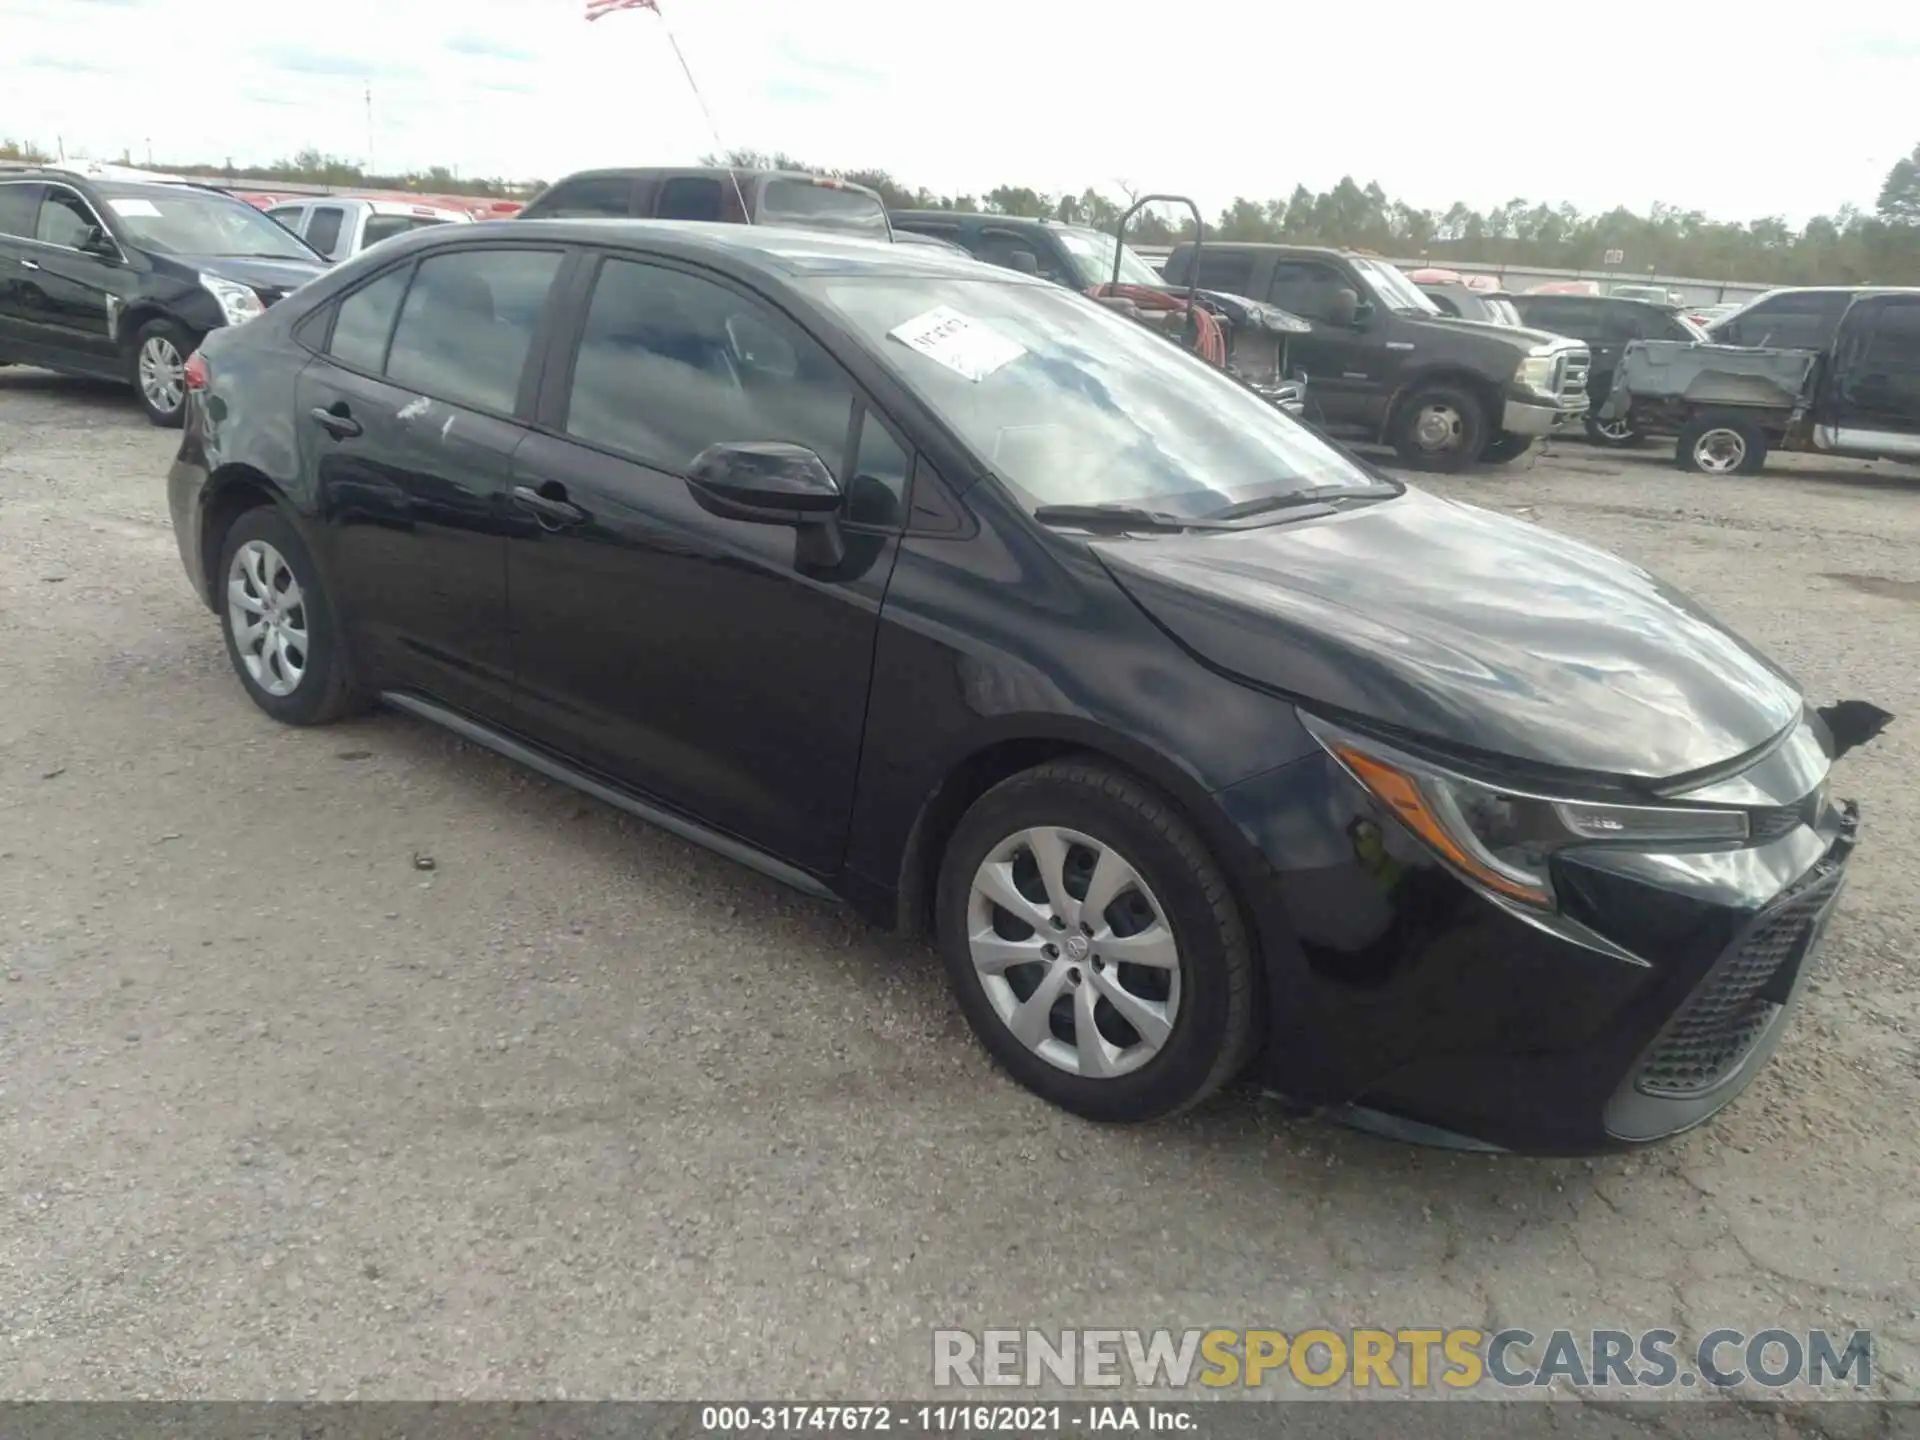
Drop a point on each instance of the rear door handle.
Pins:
(337, 423)
(553, 509)
(29, 265)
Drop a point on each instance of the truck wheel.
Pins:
(1505, 447)
(1439, 428)
(1617, 434)
(1721, 445)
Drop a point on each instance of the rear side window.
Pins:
(385, 227)
(365, 322)
(1222, 270)
(467, 325)
(19, 204)
(690, 197)
(601, 195)
(323, 230)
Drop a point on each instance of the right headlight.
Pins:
(1502, 839)
(1540, 373)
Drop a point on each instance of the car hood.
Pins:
(1473, 630)
(271, 277)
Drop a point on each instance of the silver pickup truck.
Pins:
(340, 226)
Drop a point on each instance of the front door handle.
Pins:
(552, 507)
(337, 422)
(29, 265)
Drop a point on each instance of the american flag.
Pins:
(597, 8)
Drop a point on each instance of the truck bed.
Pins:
(1674, 372)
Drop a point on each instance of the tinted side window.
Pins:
(1222, 270)
(583, 199)
(19, 204)
(1805, 321)
(1621, 323)
(1893, 345)
(323, 230)
(1306, 287)
(1575, 319)
(287, 215)
(64, 218)
(1448, 305)
(670, 364)
(877, 494)
(468, 323)
(365, 322)
(689, 197)
(1004, 247)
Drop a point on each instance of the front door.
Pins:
(691, 658)
(73, 298)
(408, 429)
(1875, 390)
(1343, 368)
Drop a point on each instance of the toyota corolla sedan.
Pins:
(1198, 746)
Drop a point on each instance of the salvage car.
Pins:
(1606, 325)
(1730, 405)
(342, 225)
(1195, 743)
(119, 280)
(1387, 365)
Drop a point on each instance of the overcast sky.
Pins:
(1768, 110)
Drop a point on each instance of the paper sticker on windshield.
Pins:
(137, 209)
(963, 345)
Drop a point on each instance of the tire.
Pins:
(1505, 447)
(1721, 444)
(157, 379)
(1440, 428)
(1205, 997)
(263, 544)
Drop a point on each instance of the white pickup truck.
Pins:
(339, 226)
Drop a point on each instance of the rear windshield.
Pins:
(820, 207)
(385, 227)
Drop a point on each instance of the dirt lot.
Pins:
(582, 1110)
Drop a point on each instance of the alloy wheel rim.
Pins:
(1720, 451)
(1437, 428)
(163, 378)
(1074, 952)
(267, 612)
(1616, 429)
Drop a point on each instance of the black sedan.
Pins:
(1195, 743)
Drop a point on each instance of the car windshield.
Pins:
(821, 207)
(202, 224)
(1076, 405)
(1092, 255)
(1395, 290)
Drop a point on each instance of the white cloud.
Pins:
(1212, 98)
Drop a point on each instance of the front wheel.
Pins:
(1615, 434)
(1094, 945)
(1439, 428)
(1721, 445)
(159, 366)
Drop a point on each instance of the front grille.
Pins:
(1573, 376)
(1708, 1039)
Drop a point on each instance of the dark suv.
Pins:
(1605, 324)
(121, 280)
(734, 197)
(1801, 318)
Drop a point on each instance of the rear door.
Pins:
(408, 422)
(73, 298)
(1875, 386)
(19, 212)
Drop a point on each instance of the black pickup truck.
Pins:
(1387, 365)
(1730, 404)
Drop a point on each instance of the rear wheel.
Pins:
(1721, 445)
(280, 629)
(1094, 944)
(159, 371)
(1439, 428)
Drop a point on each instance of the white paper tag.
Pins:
(140, 209)
(963, 345)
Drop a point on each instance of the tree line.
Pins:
(1851, 246)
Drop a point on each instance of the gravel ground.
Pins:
(584, 1111)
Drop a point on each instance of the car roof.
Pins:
(768, 249)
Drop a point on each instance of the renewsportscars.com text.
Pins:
(1414, 1358)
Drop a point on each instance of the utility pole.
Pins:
(369, 128)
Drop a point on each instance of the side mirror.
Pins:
(1344, 309)
(97, 242)
(768, 482)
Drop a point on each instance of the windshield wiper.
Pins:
(1314, 497)
(1119, 518)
